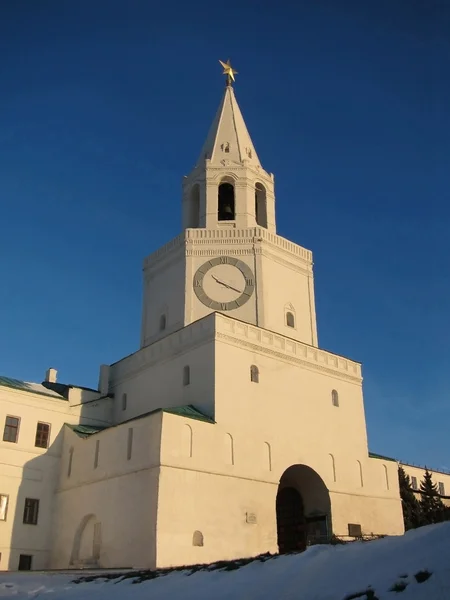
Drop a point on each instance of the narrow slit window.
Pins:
(162, 322)
(334, 398)
(186, 375)
(69, 466)
(130, 443)
(124, 401)
(97, 451)
(254, 374)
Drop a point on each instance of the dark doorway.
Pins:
(291, 523)
(303, 510)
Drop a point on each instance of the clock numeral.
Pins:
(223, 306)
(197, 282)
(249, 281)
(224, 260)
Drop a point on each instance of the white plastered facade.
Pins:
(219, 410)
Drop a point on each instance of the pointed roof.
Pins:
(228, 137)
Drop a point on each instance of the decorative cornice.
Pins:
(273, 344)
(227, 236)
(216, 326)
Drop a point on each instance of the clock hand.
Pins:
(230, 287)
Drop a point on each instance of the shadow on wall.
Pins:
(33, 503)
(32, 509)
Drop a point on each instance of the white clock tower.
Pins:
(229, 258)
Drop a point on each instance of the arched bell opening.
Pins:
(226, 202)
(260, 205)
(193, 216)
(303, 509)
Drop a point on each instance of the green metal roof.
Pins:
(190, 412)
(380, 456)
(85, 431)
(187, 411)
(25, 386)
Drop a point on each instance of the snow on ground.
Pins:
(320, 573)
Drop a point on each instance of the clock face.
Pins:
(224, 283)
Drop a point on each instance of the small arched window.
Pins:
(334, 398)
(197, 538)
(290, 319)
(254, 374)
(225, 208)
(162, 322)
(186, 375)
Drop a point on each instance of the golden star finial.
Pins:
(228, 71)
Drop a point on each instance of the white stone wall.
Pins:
(227, 477)
(152, 378)
(119, 495)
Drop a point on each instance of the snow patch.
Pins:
(415, 565)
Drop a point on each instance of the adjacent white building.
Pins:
(229, 433)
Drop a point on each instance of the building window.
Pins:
(414, 483)
(290, 319)
(25, 561)
(124, 401)
(11, 431)
(31, 511)
(186, 375)
(42, 435)
(254, 374)
(130, 443)
(441, 488)
(162, 322)
(4, 498)
(334, 398)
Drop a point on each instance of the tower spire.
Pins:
(228, 138)
(228, 186)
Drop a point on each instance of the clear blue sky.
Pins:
(104, 106)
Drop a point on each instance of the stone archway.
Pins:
(87, 543)
(303, 509)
